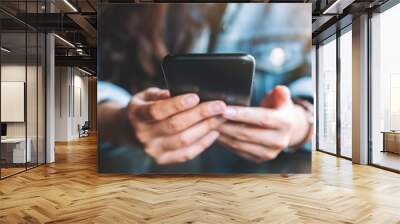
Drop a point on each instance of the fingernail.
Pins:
(217, 107)
(213, 135)
(165, 92)
(230, 112)
(190, 100)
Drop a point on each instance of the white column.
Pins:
(50, 98)
(314, 81)
(50, 92)
(360, 90)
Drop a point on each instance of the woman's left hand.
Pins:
(261, 133)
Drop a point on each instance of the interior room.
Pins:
(385, 123)
(49, 127)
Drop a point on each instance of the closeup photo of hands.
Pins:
(261, 133)
(144, 128)
(178, 129)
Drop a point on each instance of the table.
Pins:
(391, 141)
(13, 150)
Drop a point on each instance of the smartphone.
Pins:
(226, 77)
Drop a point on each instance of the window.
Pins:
(346, 93)
(385, 89)
(327, 96)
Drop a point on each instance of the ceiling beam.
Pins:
(81, 61)
(337, 7)
(86, 26)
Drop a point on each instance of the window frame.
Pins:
(334, 37)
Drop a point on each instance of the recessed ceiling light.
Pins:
(337, 7)
(64, 40)
(70, 5)
(5, 50)
(84, 71)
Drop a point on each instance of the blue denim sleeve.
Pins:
(107, 91)
(302, 88)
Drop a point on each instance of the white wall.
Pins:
(71, 102)
(16, 73)
(388, 68)
(12, 73)
(61, 103)
(81, 104)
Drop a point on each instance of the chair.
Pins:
(84, 130)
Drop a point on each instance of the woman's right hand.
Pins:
(174, 129)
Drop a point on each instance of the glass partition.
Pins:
(327, 96)
(41, 108)
(32, 96)
(13, 105)
(22, 88)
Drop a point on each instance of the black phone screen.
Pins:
(226, 77)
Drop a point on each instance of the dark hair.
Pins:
(134, 39)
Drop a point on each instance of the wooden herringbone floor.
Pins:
(70, 191)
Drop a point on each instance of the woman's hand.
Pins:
(261, 133)
(174, 129)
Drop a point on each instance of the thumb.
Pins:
(278, 97)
